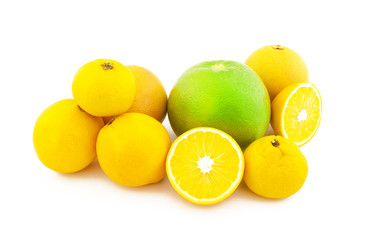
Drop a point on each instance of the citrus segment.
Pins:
(296, 112)
(205, 165)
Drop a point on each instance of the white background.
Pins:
(43, 43)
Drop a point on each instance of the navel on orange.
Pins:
(205, 165)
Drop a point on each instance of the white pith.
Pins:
(205, 164)
(232, 186)
(302, 115)
(308, 85)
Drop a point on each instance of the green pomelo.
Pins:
(226, 95)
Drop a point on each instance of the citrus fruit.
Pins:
(278, 67)
(274, 167)
(132, 149)
(151, 98)
(104, 87)
(225, 95)
(65, 137)
(205, 165)
(106, 120)
(296, 112)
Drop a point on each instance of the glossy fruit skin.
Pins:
(104, 91)
(225, 95)
(274, 167)
(65, 137)
(278, 67)
(151, 98)
(132, 149)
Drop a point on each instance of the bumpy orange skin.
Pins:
(274, 167)
(104, 87)
(65, 137)
(151, 98)
(132, 149)
(278, 67)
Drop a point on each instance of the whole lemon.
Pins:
(278, 67)
(65, 137)
(104, 88)
(151, 98)
(226, 95)
(274, 167)
(132, 149)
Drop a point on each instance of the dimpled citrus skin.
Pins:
(274, 171)
(104, 87)
(151, 98)
(65, 137)
(132, 149)
(278, 67)
(225, 95)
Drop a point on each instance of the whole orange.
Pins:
(132, 149)
(151, 98)
(278, 67)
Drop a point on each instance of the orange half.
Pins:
(296, 112)
(205, 165)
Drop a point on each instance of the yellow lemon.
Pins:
(151, 98)
(274, 167)
(104, 88)
(278, 67)
(296, 112)
(65, 137)
(205, 165)
(132, 149)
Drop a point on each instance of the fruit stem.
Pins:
(111, 121)
(278, 47)
(275, 143)
(107, 65)
(219, 66)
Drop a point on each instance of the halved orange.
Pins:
(205, 165)
(296, 112)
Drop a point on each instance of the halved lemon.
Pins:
(296, 112)
(205, 165)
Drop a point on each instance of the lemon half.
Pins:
(205, 165)
(296, 112)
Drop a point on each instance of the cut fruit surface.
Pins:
(205, 165)
(296, 112)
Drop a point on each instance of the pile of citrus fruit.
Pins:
(220, 111)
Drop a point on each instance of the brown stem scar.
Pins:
(275, 143)
(111, 121)
(107, 65)
(278, 47)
